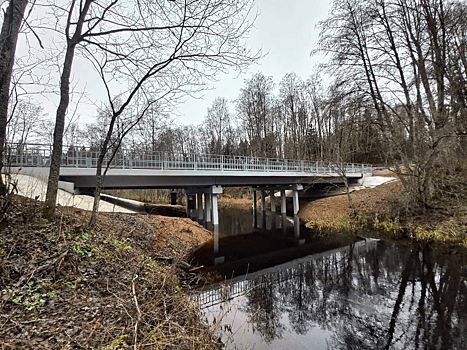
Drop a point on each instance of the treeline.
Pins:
(393, 91)
(296, 119)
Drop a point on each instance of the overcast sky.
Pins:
(285, 30)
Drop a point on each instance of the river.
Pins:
(369, 295)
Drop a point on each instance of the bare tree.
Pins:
(295, 114)
(25, 122)
(150, 47)
(395, 57)
(217, 125)
(254, 110)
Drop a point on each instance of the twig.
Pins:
(137, 309)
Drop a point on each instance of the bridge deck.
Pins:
(128, 169)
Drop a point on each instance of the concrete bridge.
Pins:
(201, 176)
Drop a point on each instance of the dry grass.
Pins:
(116, 287)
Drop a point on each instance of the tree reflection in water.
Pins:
(382, 298)
(264, 310)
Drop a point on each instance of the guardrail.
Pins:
(34, 155)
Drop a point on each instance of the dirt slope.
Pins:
(368, 200)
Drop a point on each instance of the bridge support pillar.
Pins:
(296, 208)
(190, 203)
(273, 210)
(255, 208)
(207, 203)
(263, 209)
(215, 190)
(200, 217)
(283, 211)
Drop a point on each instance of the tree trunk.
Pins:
(56, 158)
(97, 194)
(99, 175)
(8, 38)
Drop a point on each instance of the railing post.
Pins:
(222, 163)
(267, 164)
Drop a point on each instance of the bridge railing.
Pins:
(37, 155)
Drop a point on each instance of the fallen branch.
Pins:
(137, 309)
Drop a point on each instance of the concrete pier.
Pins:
(200, 213)
(207, 199)
(215, 190)
(255, 209)
(263, 209)
(283, 211)
(273, 209)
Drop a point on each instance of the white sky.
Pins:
(285, 31)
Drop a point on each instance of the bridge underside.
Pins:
(127, 179)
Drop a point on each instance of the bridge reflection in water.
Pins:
(370, 295)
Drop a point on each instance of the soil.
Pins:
(121, 284)
(371, 200)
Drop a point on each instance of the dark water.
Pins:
(370, 295)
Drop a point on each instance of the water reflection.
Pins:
(367, 296)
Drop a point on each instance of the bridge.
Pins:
(199, 175)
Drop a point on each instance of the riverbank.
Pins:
(385, 212)
(120, 285)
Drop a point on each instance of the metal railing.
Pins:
(38, 155)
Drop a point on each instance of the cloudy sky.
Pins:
(285, 30)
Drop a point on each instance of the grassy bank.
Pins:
(119, 286)
(440, 225)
